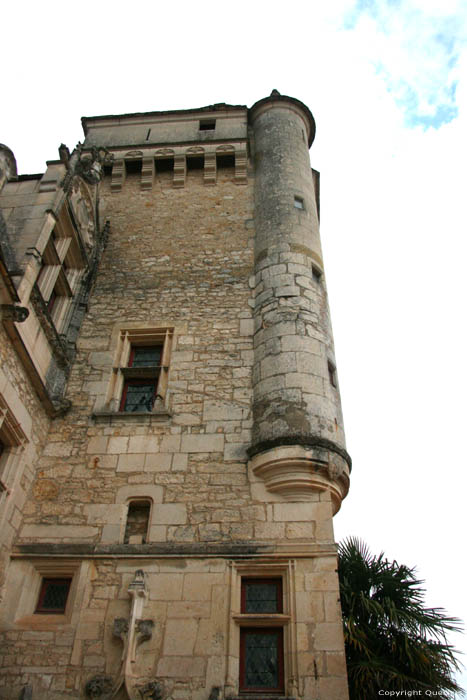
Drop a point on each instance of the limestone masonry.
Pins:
(171, 439)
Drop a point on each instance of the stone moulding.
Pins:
(295, 472)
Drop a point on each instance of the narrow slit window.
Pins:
(332, 374)
(137, 523)
(53, 596)
(207, 124)
(316, 273)
(298, 202)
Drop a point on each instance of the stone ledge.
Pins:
(166, 549)
(110, 417)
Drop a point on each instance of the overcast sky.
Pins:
(386, 81)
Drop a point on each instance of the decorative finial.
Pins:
(274, 93)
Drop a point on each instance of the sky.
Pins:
(386, 81)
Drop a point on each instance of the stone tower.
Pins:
(172, 440)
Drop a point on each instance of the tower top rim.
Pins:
(276, 98)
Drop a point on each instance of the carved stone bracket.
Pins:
(152, 690)
(210, 169)
(90, 167)
(296, 471)
(179, 170)
(147, 173)
(99, 687)
(133, 632)
(240, 166)
(118, 175)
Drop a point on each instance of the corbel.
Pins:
(147, 173)
(118, 175)
(210, 169)
(240, 165)
(179, 170)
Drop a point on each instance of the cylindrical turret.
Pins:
(296, 397)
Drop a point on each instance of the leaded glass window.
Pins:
(261, 595)
(261, 659)
(145, 356)
(138, 395)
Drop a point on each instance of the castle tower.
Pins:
(298, 438)
(173, 449)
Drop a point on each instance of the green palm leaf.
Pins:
(392, 641)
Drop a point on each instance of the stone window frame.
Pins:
(62, 267)
(286, 620)
(48, 582)
(299, 203)
(13, 440)
(130, 501)
(129, 337)
(25, 581)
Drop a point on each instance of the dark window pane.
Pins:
(262, 662)
(261, 595)
(53, 595)
(261, 598)
(145, 356)
(138, 396)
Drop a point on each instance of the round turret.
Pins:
(296, 397)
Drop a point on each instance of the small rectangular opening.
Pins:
(107, 170)
(316, 273)
(195, 162)
(164, 165)
(207, 124)
(137, 523)
(53, 596)
(225, 161)
(298, 202)
(133, 166)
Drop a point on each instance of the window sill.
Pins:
(41, 622)
(111, 417)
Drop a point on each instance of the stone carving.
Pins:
(195, 149)
(144, 630)
(120, 628)
(90, 167)
(225, 149)
(134, 154)
(133, 632)
(164, 152)
(11, 312)
(64, 153)
(152, 690)
(98, 687)
(83, 210)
